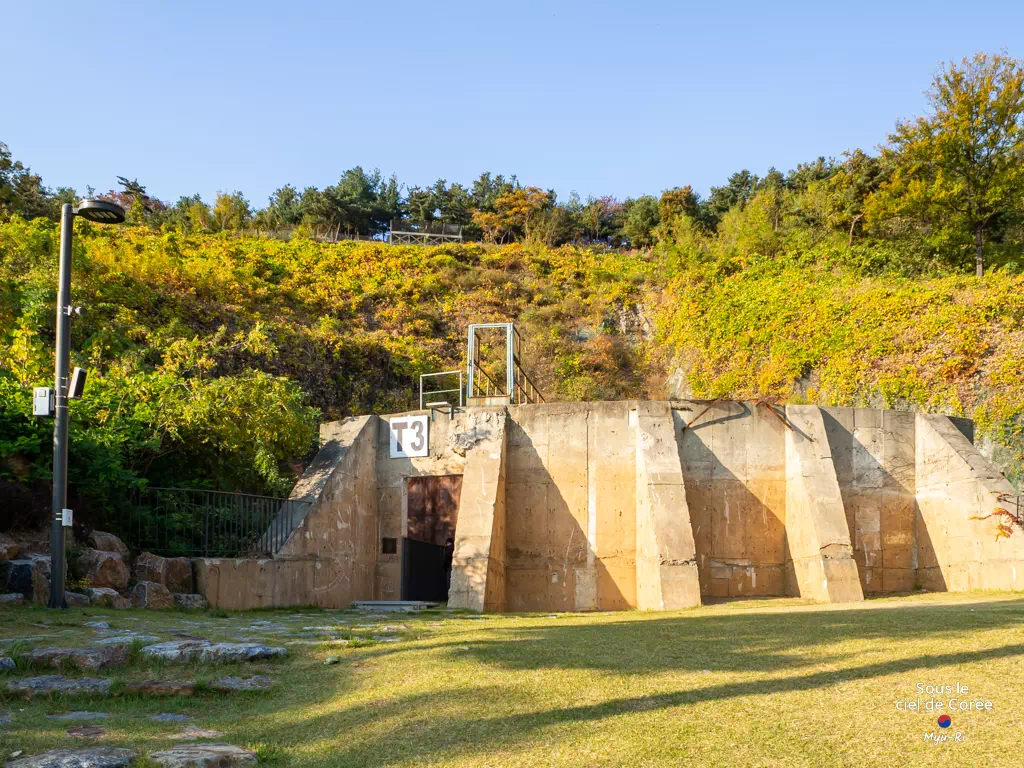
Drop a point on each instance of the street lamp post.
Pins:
(105, 212)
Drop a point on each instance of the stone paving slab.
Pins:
(255, 683)
(127, 639)
(204, 650)
(49, 684)
(204, 756)
(82, 658)
(92, 757)
(80, 716)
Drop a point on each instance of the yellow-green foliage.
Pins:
(213, 356)
(793, 328)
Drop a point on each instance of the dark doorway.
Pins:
(433, 511)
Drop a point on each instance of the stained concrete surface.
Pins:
(651, 505)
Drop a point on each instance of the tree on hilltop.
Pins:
(960, 168)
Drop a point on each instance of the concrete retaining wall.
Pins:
(651, 505)
(330, 557)
(734, 463)
(956, 485)
(820, 562)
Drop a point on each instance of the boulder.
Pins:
(175, 573)
(107, 597)
(108, 542)
(49, 684)
(104, 569)
(150, 594)
(9, 548)
(82, 658)
(76, 600)
(191, 602)
(7, 664)
(92, 757)
(15, 598)
(204, 756)
(29, 577)
(19, 578)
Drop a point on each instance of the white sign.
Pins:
(410, 436)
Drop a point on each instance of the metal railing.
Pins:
(198, 523)
(433, 392)
(518, 387)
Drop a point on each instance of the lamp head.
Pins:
(100, 211)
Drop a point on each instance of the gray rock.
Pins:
(204, 756)
(175, 650)
(80, 716)
(97, 625)
(226, 652)
(204, 650)
(92, 757)
(254, 683)
(107, 542)
(108, 598)
(47, 684)
(76, 600)
(5, 717)
(82, 658)
(149, 594)
(168, 717)
(14, 598)
(332, 660)
(127, 639)
(192, 602)
(7, 664)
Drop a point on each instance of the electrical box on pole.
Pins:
(42, 401)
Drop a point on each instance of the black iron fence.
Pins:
(191, 522)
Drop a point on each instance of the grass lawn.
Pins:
(779, 682)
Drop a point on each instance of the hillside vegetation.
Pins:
(213, 357)
(890, 280)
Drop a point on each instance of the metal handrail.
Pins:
(440, 391)
(490, 382)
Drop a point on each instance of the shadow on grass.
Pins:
(763, 642)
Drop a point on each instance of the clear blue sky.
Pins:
(602, 98)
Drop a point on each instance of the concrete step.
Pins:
(393, 605)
